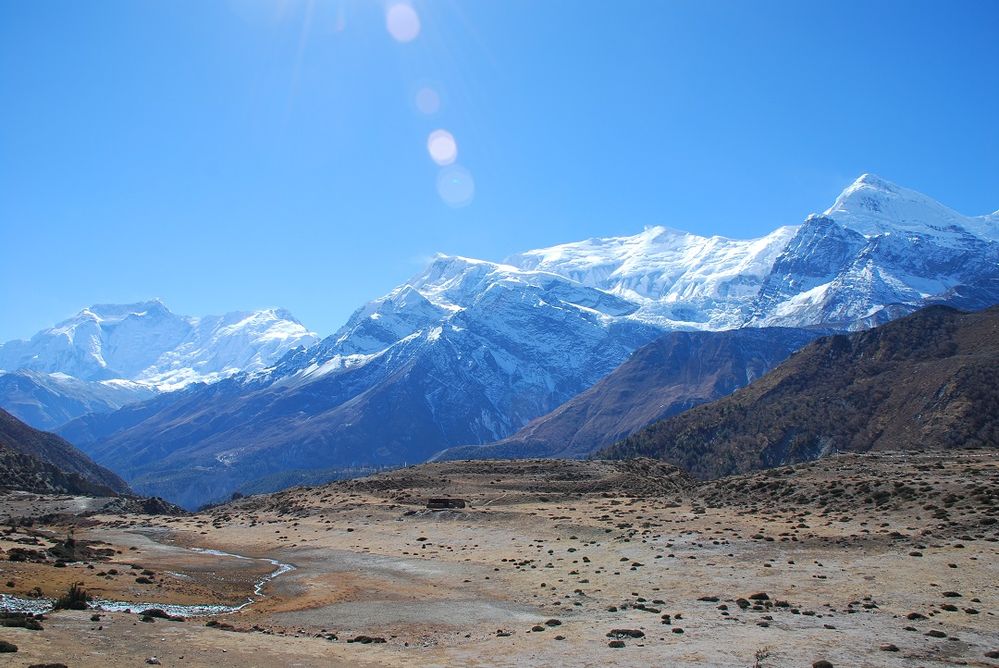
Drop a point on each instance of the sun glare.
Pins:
(442, 147)
(402, 22)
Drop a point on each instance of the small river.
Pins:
(10, 603)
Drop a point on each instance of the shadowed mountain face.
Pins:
(498, 362)
(48, 401)
(666, 377)
(37, 461)
(924, 381)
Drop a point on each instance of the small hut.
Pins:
(441, 504)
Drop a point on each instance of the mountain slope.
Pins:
(924, 381)
(147, 343)
(677, 279)
(481, 350)
(666, 377)
(48, 401)
(469, 351)
(41, 462)
(108, 356)
(879, 252)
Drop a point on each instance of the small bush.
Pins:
(76, 598)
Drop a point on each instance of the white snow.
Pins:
(147, 344)
(872, 205)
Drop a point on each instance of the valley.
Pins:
(519, 334)
(883, 559)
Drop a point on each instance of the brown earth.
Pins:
(845, 549)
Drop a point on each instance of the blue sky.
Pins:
(236, 155)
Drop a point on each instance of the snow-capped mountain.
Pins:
(871, 205)
(109, 355)
(469, 351)
(878, 248)
(879, 252)
(676, 280)
(49, 400)
(148, 344)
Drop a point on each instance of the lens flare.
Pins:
(428, 101)
(442, 147)
(402, 22)
(456, 186)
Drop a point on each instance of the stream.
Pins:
(10, 603)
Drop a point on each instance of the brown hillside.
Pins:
(39, 461)
(925, 381)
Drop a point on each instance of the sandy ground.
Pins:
(859, 558)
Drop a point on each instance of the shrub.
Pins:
(75, 598)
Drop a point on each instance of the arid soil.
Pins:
(859, 560)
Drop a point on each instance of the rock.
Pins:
(537, 627)
(821, 663)
(616, 644)
(160, 614)
(153, 661)
(553, 622)
(759, 597)
(888, 647)
(934, 633)
(7, 646)
(22, 620)
(626, 633)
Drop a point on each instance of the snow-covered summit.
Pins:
(878, 252)
(879, 248)
(872, 205)
(679, 280)
(147, 343)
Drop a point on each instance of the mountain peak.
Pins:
(873, 181)
(872, 206)
(113, 311)
(146, 343)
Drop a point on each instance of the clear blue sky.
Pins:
(235, 155)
